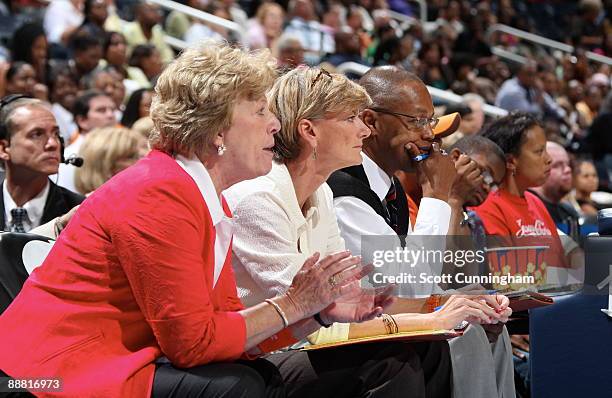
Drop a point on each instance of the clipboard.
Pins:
(526, 300)
(415, 336)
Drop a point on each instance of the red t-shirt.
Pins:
(522, 221)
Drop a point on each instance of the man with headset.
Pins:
(30, 151)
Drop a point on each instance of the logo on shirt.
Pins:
(537, 229)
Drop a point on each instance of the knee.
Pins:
(247, 383)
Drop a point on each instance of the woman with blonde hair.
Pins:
(138, 298)
(107, 151)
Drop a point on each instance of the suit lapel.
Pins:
(54, 204)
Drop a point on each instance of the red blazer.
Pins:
(129, 280)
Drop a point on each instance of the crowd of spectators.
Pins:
(57, 50)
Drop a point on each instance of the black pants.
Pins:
(369, 370)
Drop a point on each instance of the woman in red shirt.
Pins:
(137, 298)
(514, 214)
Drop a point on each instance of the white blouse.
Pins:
(273, 238)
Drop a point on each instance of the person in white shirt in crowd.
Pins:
(62, 93)
(62, 19)
(289, 52)
(30, 153)
(401, 120)
(200, 30)
(109, 82)
(315, 37)
(92, 109)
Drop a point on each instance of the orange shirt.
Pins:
(521, 221)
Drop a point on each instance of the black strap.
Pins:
(352, 181)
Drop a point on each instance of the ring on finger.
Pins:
(332, 281)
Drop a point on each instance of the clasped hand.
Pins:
(331, 286)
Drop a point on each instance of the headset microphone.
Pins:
(74, 160)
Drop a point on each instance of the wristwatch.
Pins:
(317, 318)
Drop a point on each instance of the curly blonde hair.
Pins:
(101, 150)
(195, 95)
(310, 93)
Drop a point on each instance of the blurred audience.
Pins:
(148, 59)
(554, 190)
(62, 19)
(86, 54)
(290, 52)
(137, 107)
(586, 182)
(91, 110)
(30, 45)
(267, 26)
(115, 55)
(95, 12)
(63, 89)
(108, 151)
(146, 29)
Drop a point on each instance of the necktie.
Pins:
(392, 209)
(19, 215)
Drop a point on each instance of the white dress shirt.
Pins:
(357, 219)
(273, 238)
(35, 207)
(223, 224)
(65, 173)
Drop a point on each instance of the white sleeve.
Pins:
(433, 218)
(335, 243)
(264, 242)
(54, 23)
(58, 18)
(357, 220)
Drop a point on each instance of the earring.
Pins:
(221, 149)
(314, 153)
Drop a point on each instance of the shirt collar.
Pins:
(200, 176)
(35, 207)
(379, 181)
(284, 184)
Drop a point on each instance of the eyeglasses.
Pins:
(420, 122)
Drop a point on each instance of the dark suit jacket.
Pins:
(59, 202)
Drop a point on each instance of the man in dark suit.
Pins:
(30, 152)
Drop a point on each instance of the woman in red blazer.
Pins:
(137, 297)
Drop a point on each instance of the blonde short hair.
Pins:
(144, 126)
(310, 93)
(101, 150)
(195, 95)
